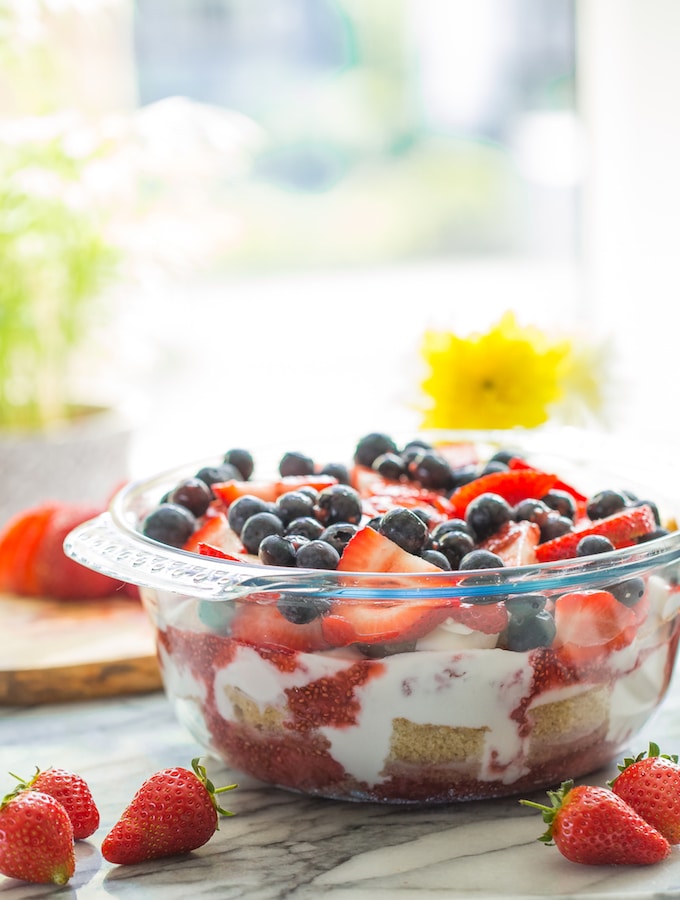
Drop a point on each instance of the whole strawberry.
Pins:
(594, 826)
(37, 839)
(174, 811)
(650, 783)
(72, 792)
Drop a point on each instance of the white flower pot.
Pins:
(84, 461)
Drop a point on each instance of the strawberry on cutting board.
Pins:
(593, 826)
(175, 811)
(32, 558)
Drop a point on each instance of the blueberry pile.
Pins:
(310, 528)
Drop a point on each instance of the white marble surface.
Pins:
(283, 845)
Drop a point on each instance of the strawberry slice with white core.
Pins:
(622, 528)
(354, 622)
(515, 543)
(592, 623)
(370, 551)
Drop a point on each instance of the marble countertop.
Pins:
(280, 844)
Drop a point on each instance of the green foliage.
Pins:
(54, 262)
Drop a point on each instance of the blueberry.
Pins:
(275, 550)
(528, 633)
(592, 544)
(242, 460)
(257, 527)
(504, 455)
(555, 526)
(295, 463)
(431, 470)
(317, 555)
(371, 446)
(192, 493)
(493, 466)
(242, 509)
(652, 535)
(462, 475)
(486, 514)
(437, 559)
(307, 526)
(294, 505)
(605, 503)
(531, 511)
(404, 528)
(302, 611)
(628, 592)
(522, 606)
(339, 535)
(481, 559)
(562, 502)
(338, 503)
(338, 471)
(218, 474)
(455, 545)
(390, 465)
(450, 525)
(169, 524)
(375, 523)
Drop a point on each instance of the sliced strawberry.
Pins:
(19, 541)
(391, 494)
(518, 463)
(590, 624)
(228, 491)
(489, 618)
(369, 551)
(515, 543)
(622, 529)
(353, 622)
(513, 486)
(262, 625)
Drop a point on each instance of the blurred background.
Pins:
(295, 190)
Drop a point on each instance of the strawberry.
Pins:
(72, 792)
(622, 528)
(512, 486)
(228, 491)
(489, 618)
(215, 532)
(385, 495)
(37, 838)
(594, 826)
(559, 485)
(590, 624)
(650, 783)
(173, 812)
(515, 543)
(32, 558)
(262, 625)
(370, 551)
(353, 622)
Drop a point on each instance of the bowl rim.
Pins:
(111, 544)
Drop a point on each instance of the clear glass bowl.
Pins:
(448, 715)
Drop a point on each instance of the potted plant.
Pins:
(56, 261)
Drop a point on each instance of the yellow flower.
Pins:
(511, 376)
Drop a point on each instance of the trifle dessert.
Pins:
(427, 621)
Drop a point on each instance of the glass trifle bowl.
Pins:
(409, 665)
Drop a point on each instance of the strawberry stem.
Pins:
(202, 775)
(651, 753)
(549, 812)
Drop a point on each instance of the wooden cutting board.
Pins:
(56, 651)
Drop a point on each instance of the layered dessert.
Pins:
(420, 624)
